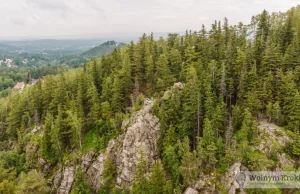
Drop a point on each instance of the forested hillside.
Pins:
(103, 49)
(232, 77)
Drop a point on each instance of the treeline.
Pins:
(233, 76)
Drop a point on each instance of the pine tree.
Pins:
(210, 153)
(296, 145)
(46, 144)
(162, 73)
(190, 106)
(294, 114)
(189, 168)
(176, 62)
(76, 128)
(32, 183)
(208, 133)
(80, 186)
(93, 103)
(141, 184)
(171, 163)
(271, 60)
(56, 138)
(262, 33)
(287, 35)
(229, 134)
(109, 173)
(157, 179)
(291, 57)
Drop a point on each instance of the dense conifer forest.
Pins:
(233, 76)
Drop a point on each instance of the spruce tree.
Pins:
(157, 179)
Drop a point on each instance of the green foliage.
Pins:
(157, 179)
(80, 186)
(90, 140)
(141, 184)
(32, 183)
(231, 77)
(256, 161)
(189, 168)
(171, 163)
(296, 145)
(109, 173)
(7, 187)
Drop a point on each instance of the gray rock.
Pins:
(272, 138)
(45, 165)
(87, 159)
(228, 180)
(94, 173)
(141, 133)
(168, 93)
(36, 129)
(141, 136)
(67, 180)
(190, 191)
(206, 183)
(57, 180)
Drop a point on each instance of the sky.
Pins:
(71, 18)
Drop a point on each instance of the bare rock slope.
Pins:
(141, 133)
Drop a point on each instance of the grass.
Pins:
(90, 140)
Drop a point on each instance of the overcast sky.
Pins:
(50, 18)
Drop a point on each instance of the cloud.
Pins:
(166, 17)
(94, 5)
(56, 17)
(24, 21)
(202, 18)
(18, 21)
(50, 5)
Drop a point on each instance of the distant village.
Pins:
(8, 63)
(21, 85)
(11, 63)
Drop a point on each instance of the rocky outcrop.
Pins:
(228, 179)
(87, 160)
(140, 137)
(272, 139)
(206, 184)
(67, 180)
(176, 86)
(56, 180)
(46, 166)
(94, 173)
(141, 133)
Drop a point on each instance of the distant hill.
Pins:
(103, 49)
(6, 49)
(53, 45)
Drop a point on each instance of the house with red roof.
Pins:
(20, 86)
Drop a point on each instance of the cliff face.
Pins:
(141, 133)
(141, 137)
